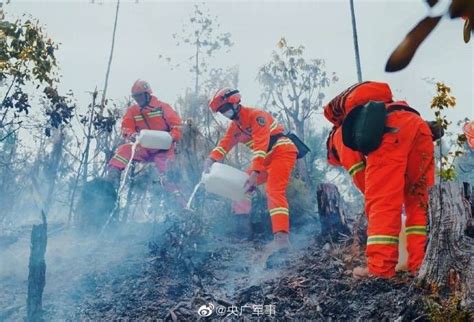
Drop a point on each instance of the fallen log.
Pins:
(448, 267)
(331, 215)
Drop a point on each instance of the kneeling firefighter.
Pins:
(388, 149)
(274, 157)
(151, 114)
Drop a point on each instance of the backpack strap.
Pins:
(399, 107)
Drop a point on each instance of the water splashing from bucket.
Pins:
(188, 205)
(121, 186)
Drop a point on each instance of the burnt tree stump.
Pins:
(448, 267)
(37, 271)
(331, 215)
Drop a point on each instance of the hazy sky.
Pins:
(323, 27)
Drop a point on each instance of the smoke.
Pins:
(209, 249)
(234, 244)
(74, 262)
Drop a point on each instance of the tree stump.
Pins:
(37, 271)
(448, 267)
(331, 215)
(469, 195)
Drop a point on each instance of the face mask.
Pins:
(229, 114)
(142, 99)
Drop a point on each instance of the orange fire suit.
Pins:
(340, 155)
(468, 129)
(254, 128)
(398, 173)
(156, 116)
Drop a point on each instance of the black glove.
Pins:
(132, 137)
(437, 130)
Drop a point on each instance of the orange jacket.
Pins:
(156, 116)
(253, 128)
(340, 155)
(353, 161)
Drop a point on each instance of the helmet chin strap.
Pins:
(235, 115)
(147, 102)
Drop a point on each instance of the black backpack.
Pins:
(364, 126)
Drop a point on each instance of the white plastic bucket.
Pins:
(150, 139)
(225, 181)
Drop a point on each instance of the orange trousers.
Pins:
(399, 173)
(160, 158)
(163, 159)
(278, 167)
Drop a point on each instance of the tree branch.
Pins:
(9, 134)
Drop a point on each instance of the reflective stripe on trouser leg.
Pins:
(420, 177)
(415, 229)
(124, 153)
(279, 172)
(280, 219)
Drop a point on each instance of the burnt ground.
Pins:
(173, 271)
(314, 286)
(186, 274)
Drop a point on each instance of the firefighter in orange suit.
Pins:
(398, 173)
(153, 114)
(274, 156)
(468, 129)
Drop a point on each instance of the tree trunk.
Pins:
(103, 138)
(85, 156)
(37, 271)
(104, 93)
(448, 267)
(331, 215)
(191, 156)
(8, 195)
(302, 165)
(52, 167)
(82, 172)
(469, 195)
(194, 113)
(356, 43)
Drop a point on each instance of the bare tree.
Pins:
(201, 33)
(103, 138)
(109, 64)
(294, 85)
